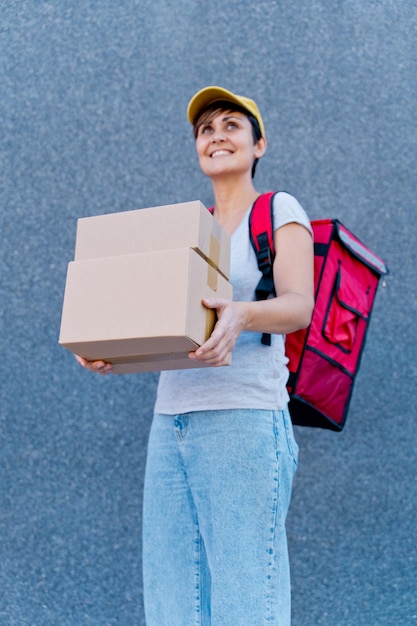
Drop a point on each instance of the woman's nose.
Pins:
(218, 135)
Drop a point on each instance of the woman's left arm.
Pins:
(290, 310)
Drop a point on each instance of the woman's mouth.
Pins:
(219, 153)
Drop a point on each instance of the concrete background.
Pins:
(92, 120)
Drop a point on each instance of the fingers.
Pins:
(101, 367)
(213, 359)
(215, 303)
(217, 350)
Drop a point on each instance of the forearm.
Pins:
(280, 315)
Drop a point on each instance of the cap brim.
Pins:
(205, 97)
(209, 95)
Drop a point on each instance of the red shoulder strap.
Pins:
(261, 233)
(261, 222)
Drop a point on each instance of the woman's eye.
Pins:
(206, 130)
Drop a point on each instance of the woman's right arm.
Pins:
(101, 367)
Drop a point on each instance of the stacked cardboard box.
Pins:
(133, 294)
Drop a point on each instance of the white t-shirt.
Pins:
(258, 375)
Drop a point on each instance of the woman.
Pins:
(222, 454)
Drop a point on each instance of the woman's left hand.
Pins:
(217, 350)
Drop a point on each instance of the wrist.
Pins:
(245, 315)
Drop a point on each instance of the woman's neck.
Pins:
(232, 201)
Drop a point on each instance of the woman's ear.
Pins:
(260, 147)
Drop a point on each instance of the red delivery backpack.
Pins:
(323, 358)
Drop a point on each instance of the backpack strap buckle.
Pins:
(264, 255)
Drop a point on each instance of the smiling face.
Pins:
(226, 143)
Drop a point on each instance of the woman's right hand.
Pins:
(101, 367)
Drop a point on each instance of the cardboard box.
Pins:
(141, 312)
(187, 224)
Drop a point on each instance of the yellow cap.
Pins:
(203, 98)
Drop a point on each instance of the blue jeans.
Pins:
(217, 491)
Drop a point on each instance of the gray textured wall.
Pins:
(92, 120)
